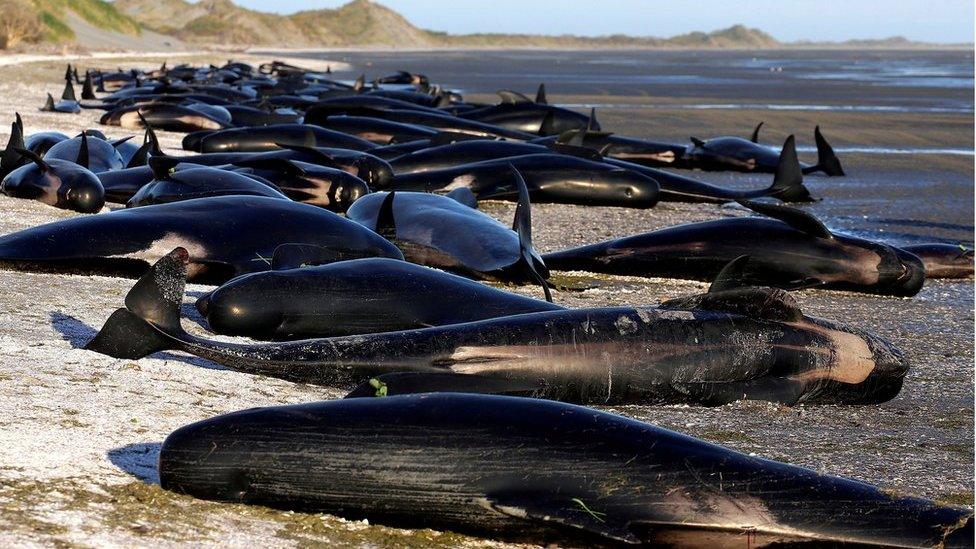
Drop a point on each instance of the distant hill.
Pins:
(151, 24)
(54, 21)
(221, 22)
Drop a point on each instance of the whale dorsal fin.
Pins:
(10, 158)
(798, 219)
(826, 158)
(385, 222)
(697, 142)
(33, 156)
(755, 133)
(540, 95)
(149, 148)
(753, 302)
(548, 124)
(591, 122)
(788, 179)
(733, 275)
(49, 104)
(82, 159)
(87, 92)
(522, 225)
(69, 92)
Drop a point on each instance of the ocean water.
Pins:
(916, 81)
(929, 185)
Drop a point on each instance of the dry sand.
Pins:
(80, 432)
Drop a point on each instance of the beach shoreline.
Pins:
(80, 432)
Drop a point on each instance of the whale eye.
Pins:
(629, 191)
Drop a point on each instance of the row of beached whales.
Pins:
(351, 301)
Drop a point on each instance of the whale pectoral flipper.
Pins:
(575, 512)
(796, 218)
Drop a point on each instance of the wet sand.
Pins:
(80, 432)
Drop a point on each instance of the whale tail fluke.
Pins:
(152, 310)
(827, 161)
(788, 182)
(125, 335)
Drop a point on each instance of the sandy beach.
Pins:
(80, 432)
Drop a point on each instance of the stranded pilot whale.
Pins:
(787, 184)
(68, 103)
(745, 155)
(196, 182)
(445, 232)
(523, 469)
(60, 183)
(226, 236)
(709, 349)
(944, 260)
(268, 138)
(351, 297)
(552, 178)
(789, 249)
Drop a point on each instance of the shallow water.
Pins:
(901, 79)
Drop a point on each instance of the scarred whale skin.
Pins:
(709, 349)
(530, 470)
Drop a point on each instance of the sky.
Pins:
(788, 20)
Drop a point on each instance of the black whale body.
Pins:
(353, 297)
(553, 178)
(227, 236)
(792, 251)
(528, 470)
(709, 349)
